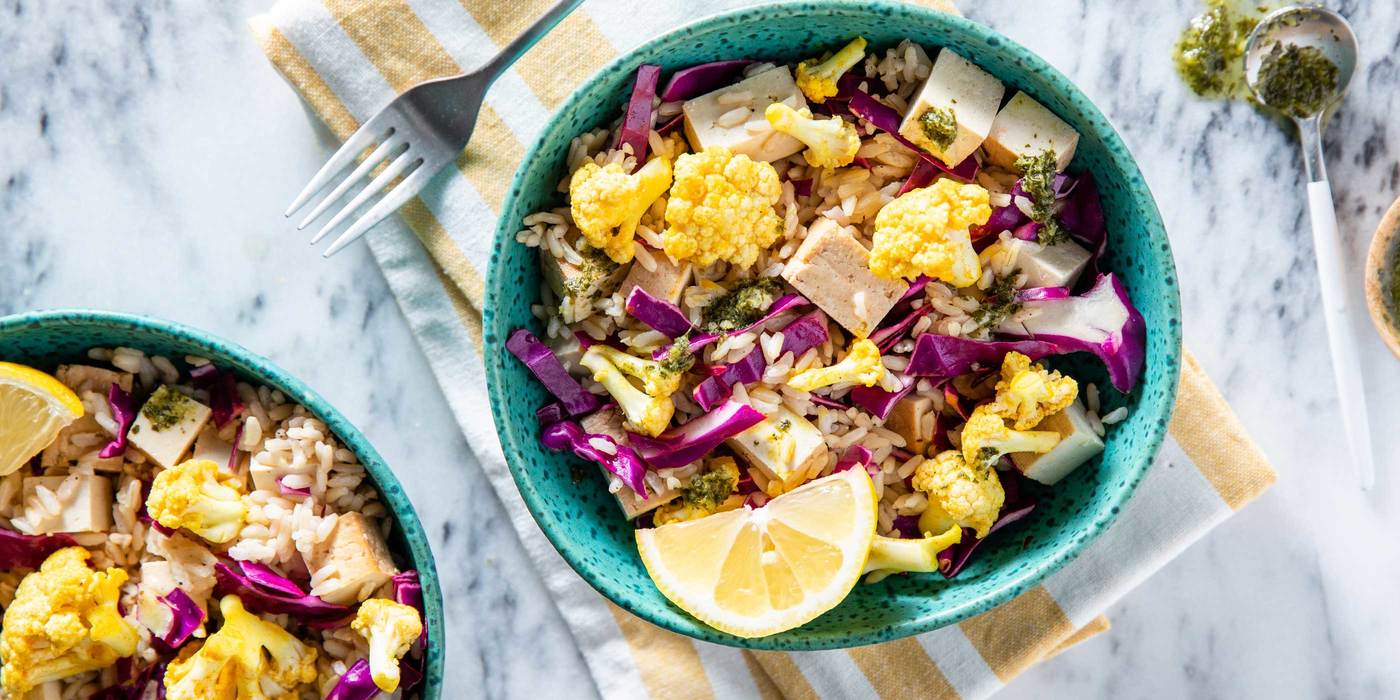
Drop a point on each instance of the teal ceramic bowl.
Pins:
(46, 339)
(582, 520)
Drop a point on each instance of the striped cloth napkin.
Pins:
(348, 58)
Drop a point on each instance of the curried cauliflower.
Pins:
(831, 143)
(893, 555)
(607, 203)
(709, 492)
(391, 629)
(1027, 393)
(985, 438)
(195, 496)
(817, 80)
(861, 365)
(63, 621)
(721, 208)
(646, 412)
(925, 231)
(247, 658)
(660, 378)
(958, 494)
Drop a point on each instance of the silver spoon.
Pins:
(1328, 32)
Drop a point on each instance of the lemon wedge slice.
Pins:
(753, 573)
(34, 407)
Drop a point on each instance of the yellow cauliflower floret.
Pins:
(831, 143)
(608, 203)
(893, 555)
(985, 438)
(925, 232)
(195, 495)
(391, 629)
(63, 621)
(1027, 393)
(958, 494)
(721, 208)
(817, 79)
(241, 660)
(645, 413)
(861, 365)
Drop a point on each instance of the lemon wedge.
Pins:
(34, 407)
(753, 573)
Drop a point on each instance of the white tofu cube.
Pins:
(594, 276)
(832, 269)
(208, 445)
(914, 419)
(667, 281)
(608, 422)
(84, 503)
(1078, 444)
(732, 116)
(786, 447)
(361, 559)
(167, 425)
(1024, 127)
(972, 96)
(1059, 265)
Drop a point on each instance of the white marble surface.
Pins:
(147, 150)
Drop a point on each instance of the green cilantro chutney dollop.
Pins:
(1297, 80)
(940, 126)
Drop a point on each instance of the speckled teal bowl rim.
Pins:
(254, 366)
(1029, 575)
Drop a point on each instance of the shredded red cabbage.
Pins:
(921, 176)
(636, 124)
(624, 462)
(945, 356)
(1041, 294)
(408, 590)
(908, 527)
(125, 414)
(703, 78)
(185, 618)
(137, 689)
(804, 333)
(687, 443)
(802, 188)
(223, 391)
(263, 590)
(879, 402)
(356, 683)
(658, 313)
(1102, 321)
(20, 551)
(546, 367)
(1028, 231)
(855, 455)
(1082, 215)
(886, 337)
(550, 413)
(302, 492)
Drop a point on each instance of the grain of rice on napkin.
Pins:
(349, 58)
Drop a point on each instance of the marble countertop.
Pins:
(147, 153)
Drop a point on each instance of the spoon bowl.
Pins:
(1317, 27)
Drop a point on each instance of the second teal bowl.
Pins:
(582, 520)
(45, 339)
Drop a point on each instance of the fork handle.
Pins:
(517, 48)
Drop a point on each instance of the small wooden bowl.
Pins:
(1380, 263)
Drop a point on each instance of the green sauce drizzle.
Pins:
(166, 408)
(1209, 54)
(1297, 80)
(940, 126)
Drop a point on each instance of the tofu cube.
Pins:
(733, 117)
(84, 503)
(832, 269)
(208, 445)
(1078, 444)
(594, 276)
(361, 559)
(786, 447)
(971, 94)
(667, 281)
(608, 421)
(915, 419)
(1024, 127)
(1059, 265)
(179, 419)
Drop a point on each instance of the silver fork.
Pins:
(417, 134)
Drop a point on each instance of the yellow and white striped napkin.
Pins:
(348, 58)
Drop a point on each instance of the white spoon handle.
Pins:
(1346, 361)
